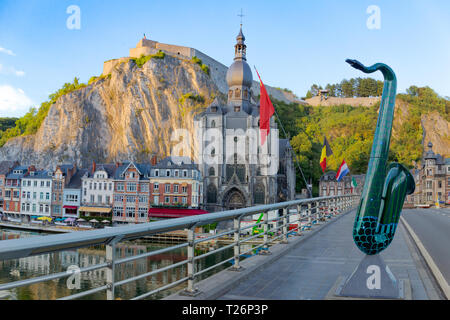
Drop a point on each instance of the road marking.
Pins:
(429, 260)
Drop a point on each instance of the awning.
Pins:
(174, 213)
(95, 209)
(70, 207)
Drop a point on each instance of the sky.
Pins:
(294, 43)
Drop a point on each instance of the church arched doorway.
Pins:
(234, 199)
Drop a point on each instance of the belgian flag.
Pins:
(326, 152)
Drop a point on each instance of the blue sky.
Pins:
(292, 43)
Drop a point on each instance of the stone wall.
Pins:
(333, 101)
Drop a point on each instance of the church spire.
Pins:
(240, 47)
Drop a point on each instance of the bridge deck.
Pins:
(311, 267)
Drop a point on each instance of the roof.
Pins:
(17, 176)
(110, 169)
(176, 163)
(174, 213)
(6, 166)
(41, 174)
(143, 168)
(75, 181)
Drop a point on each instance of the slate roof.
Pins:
(75, 181)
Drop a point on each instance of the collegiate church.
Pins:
(238, 171)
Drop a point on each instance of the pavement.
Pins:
(309, 267)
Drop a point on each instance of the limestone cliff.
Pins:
(128, 115)
(437, 131)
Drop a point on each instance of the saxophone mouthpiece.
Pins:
(356, 64)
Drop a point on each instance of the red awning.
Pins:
(174, 213)
(70, 207)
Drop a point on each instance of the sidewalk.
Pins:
(311, 267)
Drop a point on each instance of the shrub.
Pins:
(144, 59)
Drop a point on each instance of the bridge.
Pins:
(301, 250)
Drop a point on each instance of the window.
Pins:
(259, 195)
(131, 199)
(175, 188)
(120, 186)
(175, 200)
(213, 124)
(143, 199)
(185, 173)
(156, 173)
(237, 109)
(48, 184)
(143, 212)
(47, 196)
(34, 183)
(212, 172)
(99, 199)
(110, 186)
(92, 198)
(167, 188)
(184, 200)
(95, 185)
(156, 200)
(144, 187)
(41, 196)
(167, 173)
(156, 186)
(42, 183)
(99, 186)
(108, 199)
(34, 207)
(176, 173)
(131, 187)
(429, 184)
(183, 189)
(167, 200)
(130, 212)
(90, 185)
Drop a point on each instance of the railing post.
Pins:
(317, 206)
(110, 257)
(191, 291)
(309, 215)
(285, 227)
(265, 249)
(299, 220)
(237, 245)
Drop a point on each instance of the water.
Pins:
(25, 268)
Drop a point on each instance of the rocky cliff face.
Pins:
(437, 131)
(129, 115)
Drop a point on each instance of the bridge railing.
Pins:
(280, 221)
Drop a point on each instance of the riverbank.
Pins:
(41, 228)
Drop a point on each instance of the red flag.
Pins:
(266, 111)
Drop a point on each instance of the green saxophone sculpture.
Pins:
(386, 186)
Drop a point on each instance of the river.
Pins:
(24, 268)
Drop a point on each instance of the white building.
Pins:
(97, 188)
(36, 190)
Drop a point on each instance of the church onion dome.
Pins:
(240, 73)
(430, 154)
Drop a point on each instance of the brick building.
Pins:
(329, 186)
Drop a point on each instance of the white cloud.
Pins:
(13, 101)
(11, 70)
(7, 51)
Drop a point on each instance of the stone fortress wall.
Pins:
(218, 70)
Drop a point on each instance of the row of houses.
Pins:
(123, 192)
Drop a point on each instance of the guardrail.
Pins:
(306, 212)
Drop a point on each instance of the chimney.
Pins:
(154, 160)
(94, 166)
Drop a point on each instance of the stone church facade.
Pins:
(237, 170)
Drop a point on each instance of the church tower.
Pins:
(240, 77)
(234, 175)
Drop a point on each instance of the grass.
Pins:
(144, 59)
(203, 66)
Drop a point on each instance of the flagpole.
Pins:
(284, 132)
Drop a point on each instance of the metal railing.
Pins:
(288, 219)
